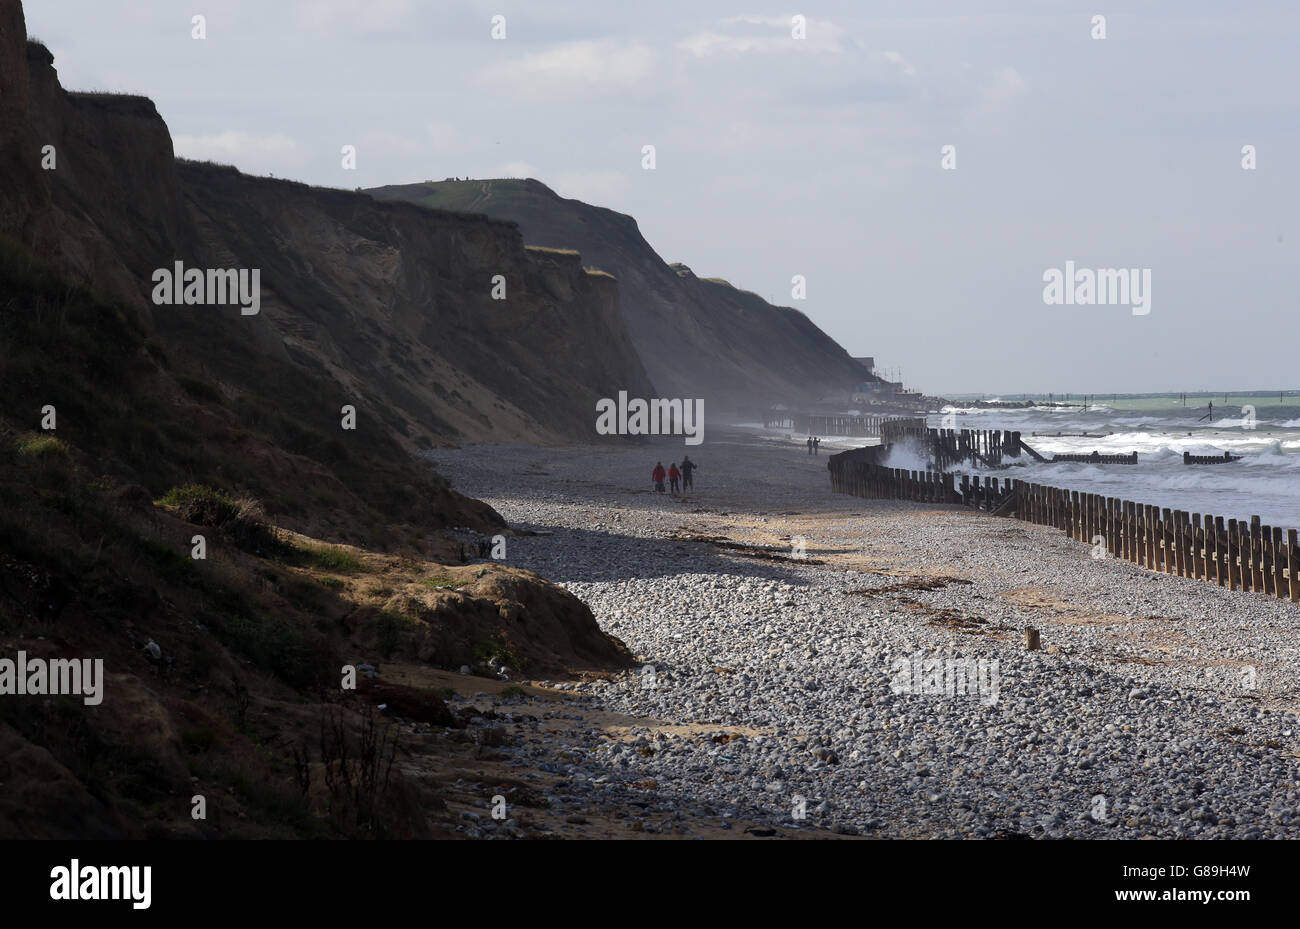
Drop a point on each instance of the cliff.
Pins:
(390, 307)
(697, 338)
(129, 430)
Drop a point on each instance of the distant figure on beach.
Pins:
(817, 446)
(688, 467)
(809, 445)
(657, 475)
(674, 477)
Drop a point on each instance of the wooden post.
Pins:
(1137, 547)
(1256, 555)
(1210, 539)
(1120, 528)
(1171, 541)
(1243, 555)
(1140, 534)
(1099, 521)
(1198, 547)
(1220, 555)
(1231, 554)
(1277, 551)
(1292, 565)
(1099, 524)
(1096, 526)
(1183, 540)
(1120, 522)
(1131, 529)
(1162, 541)
(1144, 534)
(1201, 540)
(1266, 559)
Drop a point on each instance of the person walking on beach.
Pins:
(674, 477)
(657, 475)
(817, 446)
(809, 445)
(688, 467)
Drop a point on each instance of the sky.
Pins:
(820, 156)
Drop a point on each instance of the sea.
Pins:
(1262, 427)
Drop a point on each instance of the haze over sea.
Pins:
(1160, 428)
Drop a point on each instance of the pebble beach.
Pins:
(814, 661)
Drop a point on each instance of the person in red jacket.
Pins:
(674, 476)
(657, 475)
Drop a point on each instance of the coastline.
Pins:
(1137, 671)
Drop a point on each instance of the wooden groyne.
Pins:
(903, 429)
(1098, 458)
(1238, 554)
(1190, 459)
(988, 447)
(828, 423)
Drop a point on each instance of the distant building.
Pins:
(877, 391)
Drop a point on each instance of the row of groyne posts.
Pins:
(846, 424)
(1238, 554)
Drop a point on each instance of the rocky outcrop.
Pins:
(515, 618)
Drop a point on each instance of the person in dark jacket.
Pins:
(688, 468)
(817, 446)
(658, 475)
(674, 477)
(809, 445)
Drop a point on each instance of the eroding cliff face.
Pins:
(696, 337)
(395, 306)
(13, 70)
(89, 183)
(441, 324)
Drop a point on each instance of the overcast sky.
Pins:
(818, 156)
